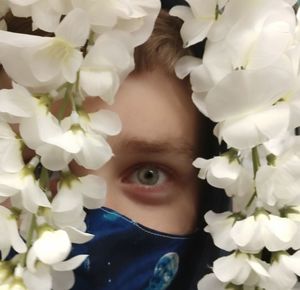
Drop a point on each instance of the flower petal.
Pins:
(257, 128)
(105, 121)
(71, 66)
(69, 29)
(103, 84)
(258, 89)
(210, 281)
(52, 247)
(70, 264)
(186, 65)
(54, 158)
(95, 152)
(44, 17)
(77, 236)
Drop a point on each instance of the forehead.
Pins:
(155, 108)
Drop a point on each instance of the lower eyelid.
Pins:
(147, 194)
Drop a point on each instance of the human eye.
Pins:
(147, 175)
(147, 180)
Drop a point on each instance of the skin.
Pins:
(159, 130)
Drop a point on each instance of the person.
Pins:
(148, 235)
(154, 197)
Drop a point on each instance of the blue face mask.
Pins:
(125, 255)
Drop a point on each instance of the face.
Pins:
(150, 178)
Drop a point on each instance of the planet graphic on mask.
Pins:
(164, 272)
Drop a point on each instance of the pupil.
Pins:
(148, 176)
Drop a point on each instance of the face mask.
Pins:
(125, 255)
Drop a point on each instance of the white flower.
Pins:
(242, 189)
(23, 189)
(40, 279)
(15, 103)
(73, 194)
(76, 137)
(264, 230)
(45, 278)
(45, 14)
(278, 185)
(198, 19)
(248, 112)
(134, 16)
(54, 273)
(277, 146)
(222, 172)
(46, 62)
(10, 236)
(219, 226)
(50, 248)
(293, 214)
(67, 141)
(140, 28)
(251, 41)
(219, 171)
(282, 272)
(200, 77)
(240, 268)
(11, 159)
(42, 124)
(210, 281)
(105, 122)
(106, 65)
(245, 36)
(61, 54)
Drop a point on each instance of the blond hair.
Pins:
(164, 47)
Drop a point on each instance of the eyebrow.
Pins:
(172, 146)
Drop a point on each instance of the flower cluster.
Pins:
(86, 51)
(248, 83)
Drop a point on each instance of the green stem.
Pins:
(255, 160)
(31, 231)
(29, 239)
(65, 102)
(44, 180)
(256, 165)
(251, 199)
(77, 82)
(217, 11)
(64, 86)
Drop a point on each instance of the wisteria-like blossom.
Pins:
(12, 238)
(247, 83)
(107, 63)
(87, 50)
(219, 226)
(46, 61)
(220, 171)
